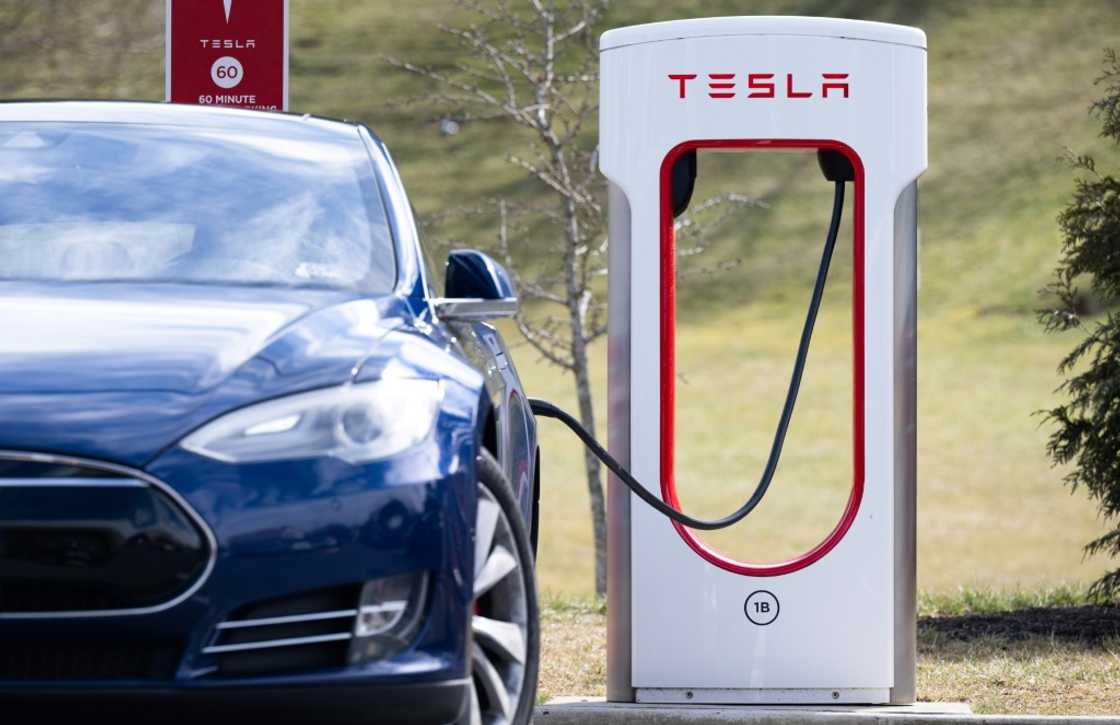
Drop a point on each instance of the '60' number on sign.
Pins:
(226, 72)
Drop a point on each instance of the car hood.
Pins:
(121, 371)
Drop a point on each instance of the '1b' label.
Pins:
(761, 607)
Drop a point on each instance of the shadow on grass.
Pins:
(1089, 625)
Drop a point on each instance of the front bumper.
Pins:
(428, 702)
(282, 530)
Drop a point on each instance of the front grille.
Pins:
(49, 661)
(87, 537)
(34, 596)
(308, 631)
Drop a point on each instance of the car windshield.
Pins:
(97, 202)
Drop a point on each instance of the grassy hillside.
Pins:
(1009, 86)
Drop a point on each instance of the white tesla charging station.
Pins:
(686, 622)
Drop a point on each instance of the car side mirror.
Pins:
(478, 288)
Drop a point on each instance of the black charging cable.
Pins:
(545, 409)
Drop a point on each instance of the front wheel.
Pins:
(505, 624)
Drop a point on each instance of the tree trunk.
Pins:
(591, 463)
(575, 291)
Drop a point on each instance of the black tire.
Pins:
(512, 601)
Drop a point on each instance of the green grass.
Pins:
(965, 601)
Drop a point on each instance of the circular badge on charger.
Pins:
(762, 607)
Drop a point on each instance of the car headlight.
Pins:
(356, 423)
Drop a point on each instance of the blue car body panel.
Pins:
(120, 372)
(125, 370)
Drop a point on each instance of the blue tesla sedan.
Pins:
(247, 453)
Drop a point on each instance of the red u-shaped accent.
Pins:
(669, 366)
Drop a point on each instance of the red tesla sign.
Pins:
(228, 53)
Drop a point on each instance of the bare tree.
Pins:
(534, 69)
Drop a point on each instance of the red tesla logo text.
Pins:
(764, 85)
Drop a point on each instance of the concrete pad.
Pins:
(592, 711)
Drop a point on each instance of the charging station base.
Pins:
(772, 696)
(586, 711)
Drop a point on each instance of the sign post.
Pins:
(228, 53)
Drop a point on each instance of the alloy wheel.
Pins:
(501, 617)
